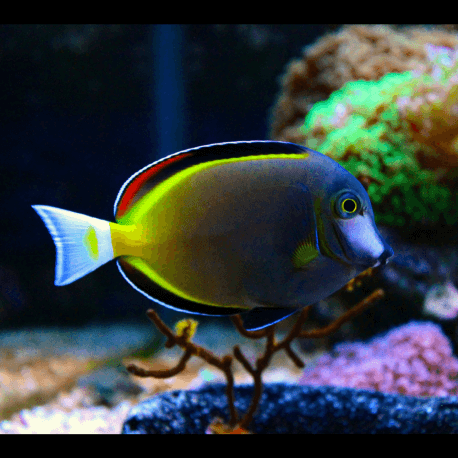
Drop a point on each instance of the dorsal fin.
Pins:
(153, 174)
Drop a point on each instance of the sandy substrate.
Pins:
(50, 390)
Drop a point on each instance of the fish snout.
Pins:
(387, 253)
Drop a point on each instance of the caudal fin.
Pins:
(82, 243)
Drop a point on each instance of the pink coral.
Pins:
(415, 359)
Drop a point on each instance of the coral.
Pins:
(185, 329)
(441, 301)
(431, 106)
(354, 53)
(415, 359)
(398, 136)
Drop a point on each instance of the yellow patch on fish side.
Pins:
(146, 270)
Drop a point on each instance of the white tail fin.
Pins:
(83, 243)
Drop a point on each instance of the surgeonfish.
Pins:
(261, 228)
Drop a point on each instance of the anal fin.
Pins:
(261, 317)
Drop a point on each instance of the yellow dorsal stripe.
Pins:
(141, 207)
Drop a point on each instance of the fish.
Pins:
(257, 228)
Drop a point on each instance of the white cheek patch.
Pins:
(363, 237)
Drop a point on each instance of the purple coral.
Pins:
(415, 359)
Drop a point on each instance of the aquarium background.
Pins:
(83, 107)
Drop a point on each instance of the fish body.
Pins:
(260, 228)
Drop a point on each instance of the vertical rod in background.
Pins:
(167, 124)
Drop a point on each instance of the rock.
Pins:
(109, 386)
(295, 409)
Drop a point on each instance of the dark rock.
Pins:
(296, 409)
(416, 266)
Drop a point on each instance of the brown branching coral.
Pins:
(182, 338)
(357, 281)
(186, 328)
(356, 52)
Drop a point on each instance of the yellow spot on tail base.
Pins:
(91, 243)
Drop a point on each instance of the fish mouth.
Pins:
(360, 259)
(382, 260)
(385, 256)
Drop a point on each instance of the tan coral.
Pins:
(356, 52)
(432, 108)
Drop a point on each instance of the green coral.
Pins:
(375, 130)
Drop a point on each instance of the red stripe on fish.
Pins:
(140, 180)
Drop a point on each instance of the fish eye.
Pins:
(347, 205)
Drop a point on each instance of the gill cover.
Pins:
(346, 225)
